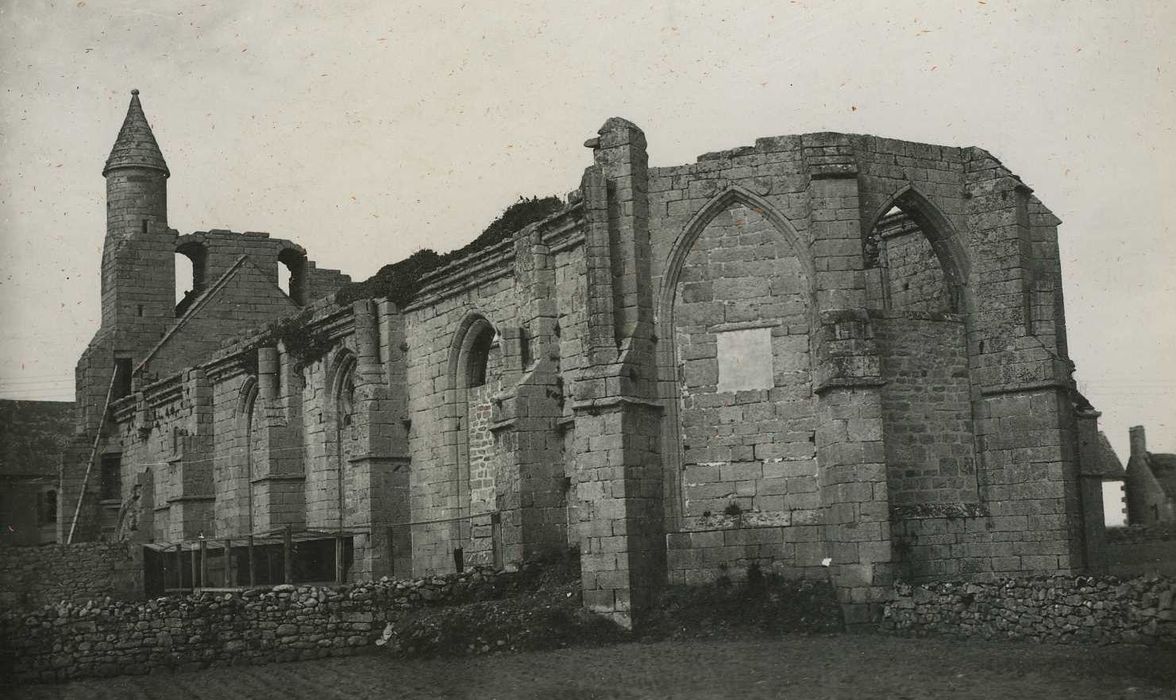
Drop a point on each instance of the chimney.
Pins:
(1138, 441)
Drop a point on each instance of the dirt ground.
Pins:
(830, 666)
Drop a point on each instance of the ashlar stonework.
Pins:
(824, 347)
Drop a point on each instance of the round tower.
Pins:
(138, 267)
(138, 295)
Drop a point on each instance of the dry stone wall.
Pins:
(1056, 609)
(284, 623)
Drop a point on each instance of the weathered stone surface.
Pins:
(582, 381)
(1055, 609)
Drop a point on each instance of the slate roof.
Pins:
(1164, 468)
(1109, 464)
(135, 146)
(33, 436)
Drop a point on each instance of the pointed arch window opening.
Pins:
(478, 358)
(249, 414)
(912, 272)
(346, 397)
(344, 407)
(672, 441)
(473, 366)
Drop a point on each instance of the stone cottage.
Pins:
(818, 347)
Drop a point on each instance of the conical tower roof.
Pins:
(135, 146)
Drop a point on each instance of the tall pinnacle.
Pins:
(135, 146)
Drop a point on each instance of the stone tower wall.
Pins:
(137, 265)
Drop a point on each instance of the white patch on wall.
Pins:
(745, 359)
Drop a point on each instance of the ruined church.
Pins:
(828, 355)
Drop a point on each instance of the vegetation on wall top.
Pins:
(302, 344)
(401, 281)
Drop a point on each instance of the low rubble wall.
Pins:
(1055, 609)
(198, 630)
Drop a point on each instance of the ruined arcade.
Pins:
(820, 347)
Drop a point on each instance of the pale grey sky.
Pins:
(367, 130)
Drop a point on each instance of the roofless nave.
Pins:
(820, 346)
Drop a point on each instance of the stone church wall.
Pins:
(440, 479)
(818, 347)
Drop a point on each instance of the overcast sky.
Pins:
(365, 131)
